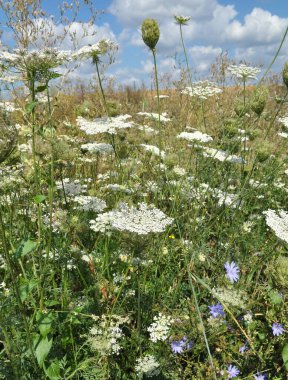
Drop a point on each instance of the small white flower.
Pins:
(278, 222)
(159, 329)
(147, 366)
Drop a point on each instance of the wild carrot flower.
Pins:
(278, 222)
(244, 72)
(232, 271)
(182, 20)
(159, 329)
(147, 366)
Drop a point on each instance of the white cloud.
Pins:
(132, 12)
(260, 27)
(203, 56)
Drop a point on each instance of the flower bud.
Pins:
(150, 32)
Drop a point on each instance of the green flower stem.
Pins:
(111, 137)
(158, 97)
(185, 54)
(200, 319)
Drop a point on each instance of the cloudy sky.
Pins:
(249, 30)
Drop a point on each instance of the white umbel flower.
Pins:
(284, 121)
(196, 135)
(202, 90)
(154, 150)
(278, 222)
(141, 221)
(104, 124)
(97, 148)
(244, 72)
(147, 366)
(222, 155)
(89, 203)
(159, 329)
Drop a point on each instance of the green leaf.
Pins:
(275, 297)
(41, 88)
(25, 248)
(26, 288)
(285, 355)
(55, 75)
(42, 348)
(39, 199)
(44, 323)
(30, 107)
(53, 371)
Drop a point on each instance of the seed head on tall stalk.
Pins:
(150, 35)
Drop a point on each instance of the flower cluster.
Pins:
(93, 51)
(182, 20)
(154, 150)
(197, 135)
(106, 336)
(89, 203)
(155, 116)
(284, 121)
(104, 124)
(244, 72)
(147, 366)
(159, 329)
(278, 222)
(97, 148)
(202, 90)
(141, 221)
(222, 155)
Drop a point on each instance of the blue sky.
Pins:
(249, 30)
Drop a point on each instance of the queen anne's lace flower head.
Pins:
(93, 51)
(278, 222)
(147, 366)
(182, 20)
(202, 90)
(89, 203)
(159, 329)
(284, 121)
(104, 124)
(196, 135)
(244, 72)
(141, 221)
(37, 61)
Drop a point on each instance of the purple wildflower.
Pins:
(260, 376)
(178, 346)
(243, 349)
(277, 329)
(232, 271)
(217, 310)
(232, 371)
